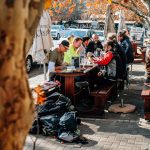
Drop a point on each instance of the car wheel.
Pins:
(58, 36)
(28, 63)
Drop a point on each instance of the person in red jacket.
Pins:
(107, 58)
(111, 62)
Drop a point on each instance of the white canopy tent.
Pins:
(122, 24)
(109, 21)
(43, 40)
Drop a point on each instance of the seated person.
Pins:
(72, 51)
(111, 61)
(82, 49)
(70, 39)
(56, 56)
(94, 45)
(147, 63)
(118, 49)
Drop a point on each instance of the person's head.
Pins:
(112, 36)
(70, 39)
(108, 45)
(121, 35)
(77, 42)
(95, 37)
(86, 41)
(63, 46)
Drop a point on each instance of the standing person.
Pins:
(72, 52)
(56, 57)
(94, 45)
(126, 45)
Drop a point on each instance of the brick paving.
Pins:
(111, 131)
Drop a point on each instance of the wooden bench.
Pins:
(146, 96)
(101, 95)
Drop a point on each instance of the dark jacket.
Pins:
(113, 64)
(122, 55)
(93, 46)
(127, 47)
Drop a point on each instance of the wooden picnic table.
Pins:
(69, 77)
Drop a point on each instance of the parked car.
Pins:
(101, 35)
(148, 33)
(78, 33)
(29, 60)
(57, 31)
(73, 27)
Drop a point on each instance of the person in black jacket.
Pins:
(126, 45)
(94, 45)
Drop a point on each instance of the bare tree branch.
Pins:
(147, 5)
(135, 5)
(135, 10)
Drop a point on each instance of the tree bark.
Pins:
(16, 104)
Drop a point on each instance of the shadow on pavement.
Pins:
(36, 70)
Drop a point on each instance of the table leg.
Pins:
(70, 88)
(147, 108)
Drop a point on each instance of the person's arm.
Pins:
(59, 67)
(104, 60)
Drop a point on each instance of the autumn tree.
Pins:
(18, 22)
(66, 9)
(137, 7)
(135, 10)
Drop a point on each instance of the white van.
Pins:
(29, 60)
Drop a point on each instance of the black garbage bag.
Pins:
(56, 104)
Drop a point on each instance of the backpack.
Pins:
(50, 124)
(118, 72)
(68, 122)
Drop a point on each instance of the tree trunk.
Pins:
(16, 104)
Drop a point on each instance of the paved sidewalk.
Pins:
(112, 131)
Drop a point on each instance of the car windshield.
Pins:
(99, 33)
(78, 33)
(55, 27)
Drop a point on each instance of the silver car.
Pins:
(78, 33)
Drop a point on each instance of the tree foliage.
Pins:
(65, 9)
(139, 7)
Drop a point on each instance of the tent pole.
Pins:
(44, 67)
